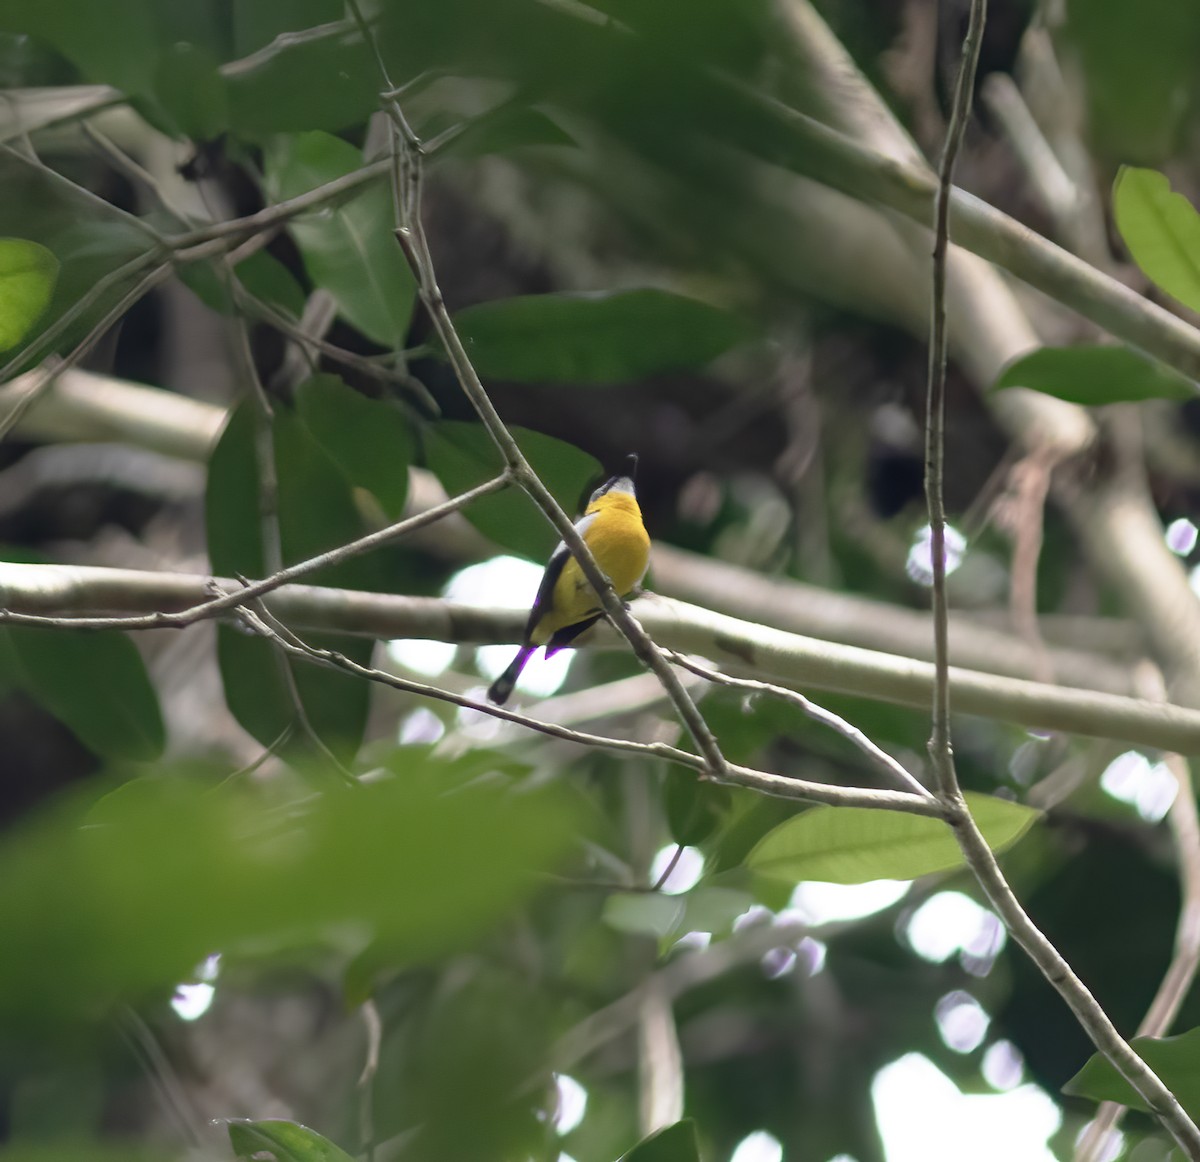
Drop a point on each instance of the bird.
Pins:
(566, 604)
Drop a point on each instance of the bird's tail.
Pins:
(502, 687)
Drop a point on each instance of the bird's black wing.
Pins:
(554, 568)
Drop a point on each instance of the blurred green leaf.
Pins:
(462, 455)
(676, 1143)
(503, 130)
(368, 439)
(483, 1029)
(1138, 62)
(1161, 230)
(1096, 375)
(113, 43)
(853, 845)
(84, 1151)
(191, 89)
(349, 249)
(316, 513)
(644, 913)
(326, 83)
(706, 908)
(89, 238)
(284, 1141)
(96, 683)
(711, 908)
(1176, 1060)
(108, 898)
(28, 272)
(256, 24)
(595, 338)
(694, 808)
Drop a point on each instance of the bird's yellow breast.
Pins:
(619, 542)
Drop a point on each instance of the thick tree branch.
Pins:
(94, 597)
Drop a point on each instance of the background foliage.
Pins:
(632, 252)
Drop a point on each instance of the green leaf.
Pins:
(595, 338)
(368, 439)
(96, 683)
(676, 1143)
(112, 896)
(462, 455)
(853, 845)
(256, 24)
(28, 272)
(710, 908)
(192, 90)
(265, 277)
(1176, 1060)
(90, 239)
(112, 43)
(284, 1141)
(316, 513)
(1161, 230)
(1138, 67)
(695, 809)
(329, 83)
(505, 129)
(262, 274)
(644, 913)
(1096, 375)
(349, 249)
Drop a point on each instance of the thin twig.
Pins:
(410, 233)
(978, 854)
(253, 590)
(781, 786)
(672, 864)
(935, 406)
(1181, 972)
(876, 754)
(49, 372)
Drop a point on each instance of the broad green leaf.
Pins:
(1096, 375)
(89, 238)
(1161, 230)
(265, 277)
(28, 272)
(95, 683)
(262, 274)
(853, 845)
(109, 897)
(368, 439)
(595, 338)
(676, 1143)
(316, 512)
(1176, 1060)
(192, 90)
(349, 248)
(283, 1141)
(461, 455)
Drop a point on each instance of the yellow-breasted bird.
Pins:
(566, 604)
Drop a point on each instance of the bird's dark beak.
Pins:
(631, 463)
